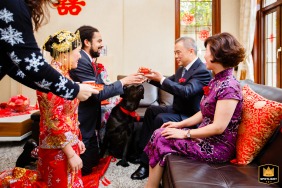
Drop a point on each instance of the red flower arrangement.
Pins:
(206, 90)
(100, 68)
(18, 103)
(182, 80)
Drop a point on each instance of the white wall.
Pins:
(136, 33)
(230, 16)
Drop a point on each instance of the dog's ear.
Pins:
(124, 90)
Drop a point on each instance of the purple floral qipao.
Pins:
(215, 149)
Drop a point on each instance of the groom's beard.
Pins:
(94, 54)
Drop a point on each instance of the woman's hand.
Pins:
(75, 162)
(81, 147)
(85, 91)
(171, 124)
(169, 133)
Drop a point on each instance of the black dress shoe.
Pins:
(141, 173)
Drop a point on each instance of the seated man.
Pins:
(186, 87)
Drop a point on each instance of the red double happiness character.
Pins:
(70, 6)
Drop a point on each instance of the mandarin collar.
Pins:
(224, 73)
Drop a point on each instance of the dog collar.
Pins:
(132, 114)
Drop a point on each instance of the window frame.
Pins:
(216, 19)
(259, 43)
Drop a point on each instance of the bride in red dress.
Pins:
(60, 145)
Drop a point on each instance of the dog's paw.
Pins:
(123, 163)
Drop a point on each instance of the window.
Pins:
(198, 19)
(267, 51)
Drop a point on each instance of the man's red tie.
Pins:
(94, 68)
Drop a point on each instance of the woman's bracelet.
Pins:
(71, 156)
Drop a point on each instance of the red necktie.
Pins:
(94, 68)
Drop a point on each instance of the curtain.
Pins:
(248, 11)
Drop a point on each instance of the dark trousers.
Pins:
(90, 157)
(154, 118)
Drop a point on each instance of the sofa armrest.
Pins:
(271, 153)
(165, 98)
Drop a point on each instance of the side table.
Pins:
(15, 128)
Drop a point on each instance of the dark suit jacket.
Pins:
(187, 95)
(89, 111)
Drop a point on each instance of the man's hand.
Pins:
(155, 76)
(136, 78)
(81, 147)
(85, 91)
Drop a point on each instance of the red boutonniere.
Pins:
(100, 68)
(182, 80)
(206, 90)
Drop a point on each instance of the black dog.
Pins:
(120, 125)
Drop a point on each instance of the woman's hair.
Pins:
(39, 11)
(225, 49)
(86, 33)
(62, 42)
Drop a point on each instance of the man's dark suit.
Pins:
(186, 101)
(89, 111)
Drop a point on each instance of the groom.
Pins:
(89, 111)
(186, 87)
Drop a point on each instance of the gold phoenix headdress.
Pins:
(62, 42)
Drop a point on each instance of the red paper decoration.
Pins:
(70, 6)
(203, 34)
(188, 18)
(271, 37)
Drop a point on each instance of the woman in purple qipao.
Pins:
(221, 106)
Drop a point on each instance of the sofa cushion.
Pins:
(165, 98)
(150, 95)
(259, 120)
